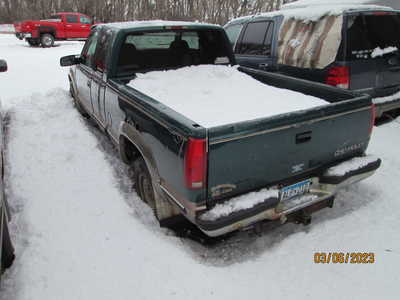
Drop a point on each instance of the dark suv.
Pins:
(6, 247)
(353, 48)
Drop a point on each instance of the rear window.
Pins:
(162, 40)
(370, 36)
(72, 19)
(148, 51)
(55, 17)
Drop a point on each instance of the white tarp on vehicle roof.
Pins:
(304, 3)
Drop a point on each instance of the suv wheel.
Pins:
(47, 40)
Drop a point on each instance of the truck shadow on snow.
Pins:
(238, 246)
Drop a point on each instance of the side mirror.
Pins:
(3, 65)
(70, 60)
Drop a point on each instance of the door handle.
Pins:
(263, 66)
(303, 137)
(89, 83)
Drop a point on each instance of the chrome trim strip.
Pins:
(173, 198)
(285, 127)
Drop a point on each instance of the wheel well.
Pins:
(128, 151)
(48, 30)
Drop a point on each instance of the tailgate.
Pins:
(251, 155)
(18, 27)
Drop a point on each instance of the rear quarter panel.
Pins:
(160, 134)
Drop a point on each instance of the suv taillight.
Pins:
(196, 163)
(373, 115)
(339, 77)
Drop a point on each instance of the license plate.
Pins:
(294, 190)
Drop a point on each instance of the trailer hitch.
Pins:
(300, 217)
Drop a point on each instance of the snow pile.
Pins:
(7, 28)
(395, 96)
(239, 203)
(351, 165)
(380, 52)
(218, 95)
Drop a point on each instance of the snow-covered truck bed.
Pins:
(223, 146)
(205, 92)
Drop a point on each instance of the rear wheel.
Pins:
(143, 183)
(7, 251)
(166, 214)
(47, 40)
(33, 42)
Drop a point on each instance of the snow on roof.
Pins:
(314, 13)
(153, 23)
(313, 10)
(304, 3)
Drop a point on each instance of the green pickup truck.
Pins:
(224, 146)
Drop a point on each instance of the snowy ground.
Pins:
(81, 233)
(7, 28)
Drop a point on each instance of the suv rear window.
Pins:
(365, 33)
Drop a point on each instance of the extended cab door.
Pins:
(84, 72)
(99, 78)
(85, 25)
(254, 47)
(72, 26)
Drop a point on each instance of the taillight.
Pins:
(373, 115)
(339, 77)
(196, 163)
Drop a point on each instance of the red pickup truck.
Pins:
(60, 26)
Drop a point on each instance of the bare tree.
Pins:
(212, 11)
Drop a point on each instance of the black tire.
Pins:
(47, 40)
(33, 42)
(7, 252)
(143, 183)
(77, 105)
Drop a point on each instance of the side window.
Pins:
(72, 19)
(89, 50)
(101, 52)
(85, 20)
(257, 39)
(233, 32)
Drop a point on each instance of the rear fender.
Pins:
(129, 132)
(47, 29)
